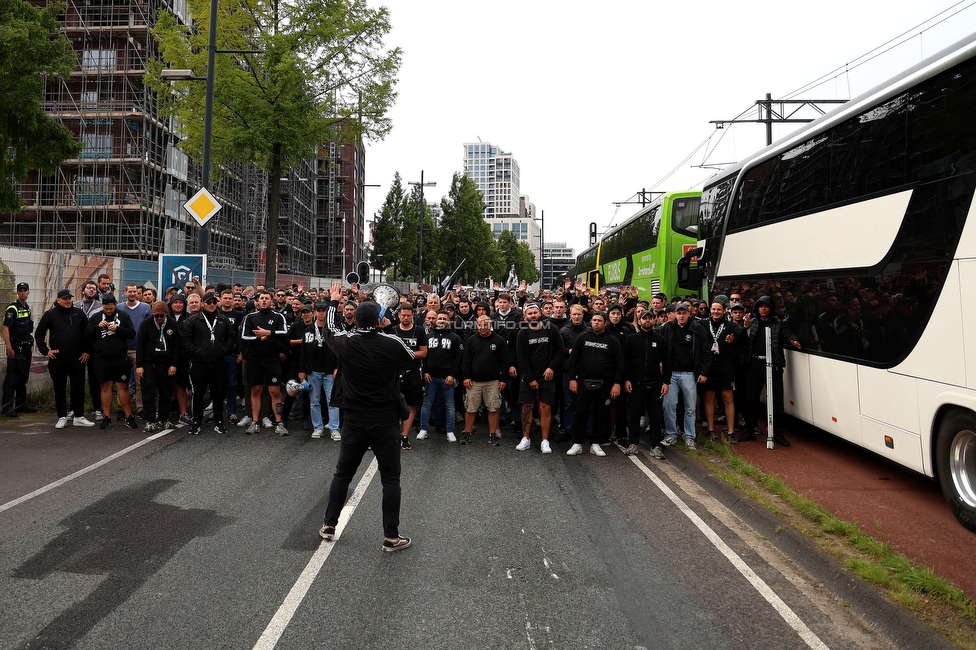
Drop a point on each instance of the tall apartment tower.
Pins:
(496, 173)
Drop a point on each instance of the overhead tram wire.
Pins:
(885, 47)
(868, 56)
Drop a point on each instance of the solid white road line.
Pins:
(81, 472)
(760, 585)
(295, 597)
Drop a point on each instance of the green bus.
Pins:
(644, 250)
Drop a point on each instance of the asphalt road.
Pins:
(211, 541)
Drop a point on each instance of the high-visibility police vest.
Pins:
(23, 326)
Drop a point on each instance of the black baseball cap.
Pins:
(23, 286)
(109, 299)
(65, 293)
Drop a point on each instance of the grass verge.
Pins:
(935, 600)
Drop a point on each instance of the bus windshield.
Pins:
(684, 216)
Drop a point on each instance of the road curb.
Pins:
(893, 621)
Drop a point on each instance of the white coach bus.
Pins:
(866, 218)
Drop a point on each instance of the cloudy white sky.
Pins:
(599, 100)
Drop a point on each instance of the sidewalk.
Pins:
(891, 503)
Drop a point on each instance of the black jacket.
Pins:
(201, 345)
(67, 332)
(159, 345)
(597, 356)
(537, 350)
(701, 345)
(569, 334)
(105, 343)
(647, 358)
(368, 378)
(485, 358)
(270, 320)
(444, 351)
(315, 355)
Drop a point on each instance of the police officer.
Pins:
(18, 337)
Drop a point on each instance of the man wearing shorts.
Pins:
(484, 368)
(265, 334)
(539, 349)
(109, 331)
(411, 382)
(726, 337)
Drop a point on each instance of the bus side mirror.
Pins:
(689, 278)
(593, 279)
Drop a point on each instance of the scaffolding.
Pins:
(124, 194)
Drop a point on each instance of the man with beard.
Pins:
(108, 331)
(726, 339)
(64, 325)
(442, 368)
(157, 357)
(207, 338)
(317, 364)
(540, 353)
(648, 377)
(484, 368)
(264, 333)
(690, 364)
(411, 383)
(596, 369)
(233, 359)
(569, 332)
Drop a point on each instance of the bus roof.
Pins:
(658, 200)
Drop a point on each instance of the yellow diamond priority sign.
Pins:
(202, 206)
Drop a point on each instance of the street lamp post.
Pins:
(423, 210)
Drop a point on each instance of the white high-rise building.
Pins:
(496, 173)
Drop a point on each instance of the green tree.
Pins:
(387, 228)
(32, 49)
(464, 234)
(323, 74)
(518, 253)
(410, 238)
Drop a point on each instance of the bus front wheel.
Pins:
(955, 459)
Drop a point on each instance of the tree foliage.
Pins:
(518, 253)
(464, 234)
(32, 49)
(323, 74)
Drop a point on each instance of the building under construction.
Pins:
(124, 194)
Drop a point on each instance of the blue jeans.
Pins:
(436, 386)
(685, 382)
(322, 381)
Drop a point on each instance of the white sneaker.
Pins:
(317, 433)
(82, 421)
(575, 450)
(267, 423)
(335, 435)
(245, 421)
(597, 450)
(62, 423)
(71, 414)
(523, 445)
(422, 435)
(98, 415)
(451, 437)
(546, 449)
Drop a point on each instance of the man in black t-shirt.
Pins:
(411, 382)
